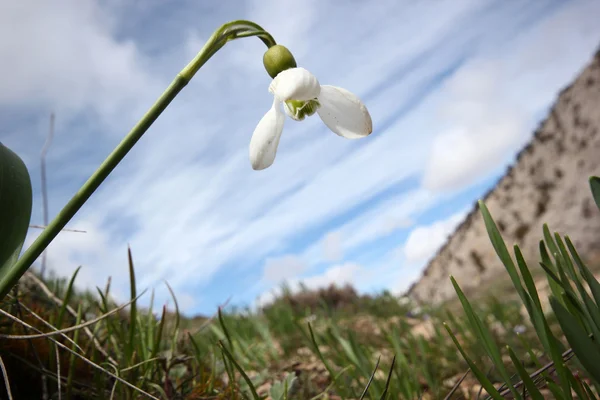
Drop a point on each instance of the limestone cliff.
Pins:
(547, 183)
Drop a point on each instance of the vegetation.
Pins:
(325, 344)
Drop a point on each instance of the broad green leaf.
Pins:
(500, 247)
(280, 389)
(527, 278)
(15, 207)
(584, 348)
(585, 272)
(595, 187)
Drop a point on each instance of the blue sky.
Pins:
(454, 89)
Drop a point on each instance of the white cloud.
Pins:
(490, 106)
(71, 250)
(63, 55)
(392, 224)
(395, 213)
(186, 198)
(339, 275)
(468, 153)
(280, 269)
(423, 241)
(332, 247)
(409, 274)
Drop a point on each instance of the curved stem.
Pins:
(227, 32)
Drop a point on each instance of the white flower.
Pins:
(519, 329)
(302, 96)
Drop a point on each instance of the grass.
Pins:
(328, 344)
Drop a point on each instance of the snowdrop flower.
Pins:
(519, 329)
(301, 95)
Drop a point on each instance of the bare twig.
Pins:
(457, 385)
(58, 372)
(90, 362)
(42, 320)
(71, 311)
(65, 229)
(44, 186)
(6, 382)
(61, 331)
(566, 356)
(19, 306)
(210, 320)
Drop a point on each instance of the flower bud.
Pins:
(278, 58)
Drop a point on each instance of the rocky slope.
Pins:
(548, 183)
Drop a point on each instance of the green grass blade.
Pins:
(255, 395)
(159, 333)
(388, 380)
(129, 347)
(534, 392)
(485, 336)
(364, 393)
(176, 304)
(325, 363)
(225, 330)
(66, 299)
(481, 377)
(72, 359)
(588, 390)
(577, 387)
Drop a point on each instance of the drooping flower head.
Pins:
(302, 96)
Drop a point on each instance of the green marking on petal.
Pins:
(298, 109)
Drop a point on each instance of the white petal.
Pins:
(265, 139)
(344, 113)
(295, 84)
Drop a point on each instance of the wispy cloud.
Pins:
(454, 89)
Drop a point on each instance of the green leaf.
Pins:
(595, 187)
(133, 308)
(325, 363)
(481, 377)
(500, 247)
(534, 392)
(281, 389)
(66, 299)
(389, 379)
(484, 336)
(527, 278)
(237, 366)
(584, 348)
(72, 363)
(585, 272)
(550, 240)
(364, 393)
(16, 200)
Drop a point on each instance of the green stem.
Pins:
(230, 31)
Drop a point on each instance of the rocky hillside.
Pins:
(547, 183)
